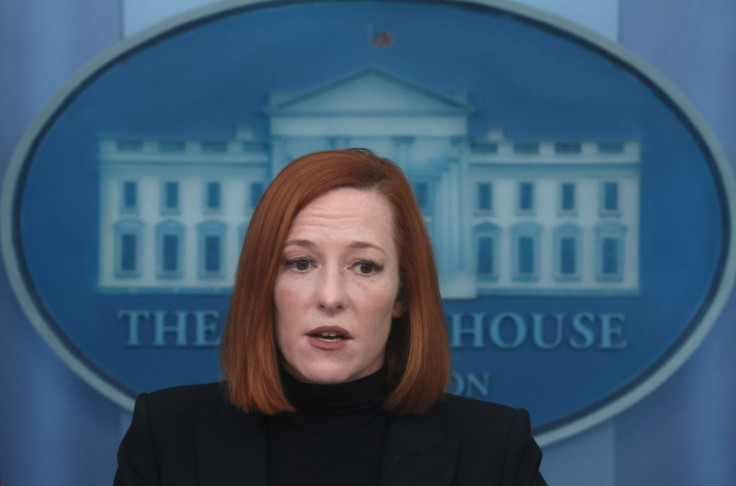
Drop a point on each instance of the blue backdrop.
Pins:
(54, 429)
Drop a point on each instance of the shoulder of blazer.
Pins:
(186, 434)
(461, 441)
(484, 425)
(494, 435)
(175, 411)
(171, 414)
(186, 400)
(466, 413)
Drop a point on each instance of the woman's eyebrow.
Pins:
(303, 243)
(366, 244)
(355, 244)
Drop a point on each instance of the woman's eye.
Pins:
(299, 264)
(366, 267)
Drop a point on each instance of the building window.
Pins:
(169, 249)
(567, 251)
(525, 256)
(214, 146)
(609, 199)
(486, 263)
(256, 191)
(485, 197)
(129, 200)
(213, 197)
(170, 260)
(130, 145)
(611, 147)
(171, 145)
(211, 249)
(568, 259)
(526, 197)
(526, 147)
(170, 198)
(610, 262)
(567, 198)
(610, 257)
(526, 245)
(423, 195)
(486, 256)
(128, 235)
(212, 254)
(129, 253)
(568, 147)
(485, 147)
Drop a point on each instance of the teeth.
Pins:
(329, 336)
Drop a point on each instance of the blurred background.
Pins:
(55, 429)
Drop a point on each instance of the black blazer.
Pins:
(192, 435)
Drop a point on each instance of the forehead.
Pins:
(357, 211)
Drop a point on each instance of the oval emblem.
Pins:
(577, 274)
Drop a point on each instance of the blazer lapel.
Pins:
(231, 450)
(417, 453)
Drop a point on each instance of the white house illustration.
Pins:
(556, 217)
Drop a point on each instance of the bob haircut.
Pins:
(417, 352)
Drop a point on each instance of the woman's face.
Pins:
(337, 286)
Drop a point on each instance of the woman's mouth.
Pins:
(329, 337)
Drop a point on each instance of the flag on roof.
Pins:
(382, 39)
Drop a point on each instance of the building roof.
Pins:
(368, 91)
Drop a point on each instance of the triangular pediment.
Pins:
(368, 91)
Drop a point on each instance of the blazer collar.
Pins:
(232, 450)
(417, 453)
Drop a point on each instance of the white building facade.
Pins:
(173, 213)
(505, 216)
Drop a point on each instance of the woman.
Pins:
(335, 354)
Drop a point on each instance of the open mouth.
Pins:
(329, 336)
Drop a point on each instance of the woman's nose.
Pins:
(331, 290)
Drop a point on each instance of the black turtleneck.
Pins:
(335, 437)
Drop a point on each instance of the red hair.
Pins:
(417, 352)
